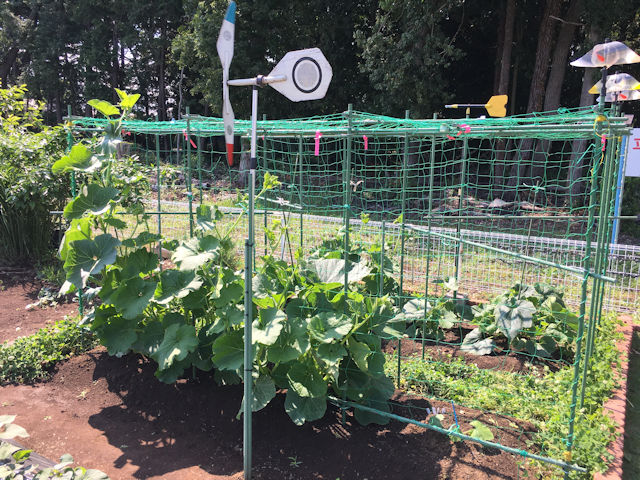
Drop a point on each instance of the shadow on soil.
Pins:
(163, 428)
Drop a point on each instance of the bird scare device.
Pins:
(623, 96)
(618, 82)
(225, 52)
(606, 55)
(300, 75)
(496, 106)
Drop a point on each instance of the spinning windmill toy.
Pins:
(300, 75)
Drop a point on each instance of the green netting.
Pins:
(461, 209)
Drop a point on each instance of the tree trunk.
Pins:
(536, 94)
(560, 55)
(7, 62)
(507, 47)
(578, 163)
(162, 101)
(556, 79)
(543, 50)
(502, 86)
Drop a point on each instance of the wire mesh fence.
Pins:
(464, 212)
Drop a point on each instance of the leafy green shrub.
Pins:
(28, 190)
(31, 358)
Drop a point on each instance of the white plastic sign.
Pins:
(633, 154)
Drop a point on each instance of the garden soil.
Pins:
(113, 414)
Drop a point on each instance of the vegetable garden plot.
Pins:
(374, 233)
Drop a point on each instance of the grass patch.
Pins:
(631, 458)
(542, 398)
(29, 359)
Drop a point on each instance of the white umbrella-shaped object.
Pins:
(606, 55)
(618, 82)
(624, 96)
(225, 52)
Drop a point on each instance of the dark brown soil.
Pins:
(17, 290)
(112, 414)
(448, 347)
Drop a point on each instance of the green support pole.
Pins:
(158, 184)
(601, 253)
(461, 191)
(381, 275)
(300, 195)
(346, 172)
(586, 265)
(265, 203)
(200, 166)
(74, 191)
(403, 200)
(432, 163)
(189, 175)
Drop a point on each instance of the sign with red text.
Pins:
(633, 154)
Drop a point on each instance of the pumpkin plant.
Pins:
(311, 336)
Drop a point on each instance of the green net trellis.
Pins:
(464, 209)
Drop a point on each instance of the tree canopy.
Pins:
(388, 56)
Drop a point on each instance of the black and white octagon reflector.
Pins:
(308, 75)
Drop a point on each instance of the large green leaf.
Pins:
(104, 107)
(475, 344)
(268, 325)
(304, 409)
(132, 296)
(89, 257)
(138, 263)
(292, 342)
(79, 229)
(93, 198)
(263, 392)
(329, 326)
(195, 252)
(306, 380)
(480, 431)
(127, 101)
(80, 158)
(359, 352)
(332, 270)
(118, 335)
(178, 342)
(176, 284)
(331, 354)
(206, 217)
(228, 351)
(512, 318)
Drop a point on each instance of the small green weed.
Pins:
(31, 358)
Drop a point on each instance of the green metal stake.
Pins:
(432, 163)
(381, 275)
(265, 203)
(158, 184)
(601, 253)
(347, 205)
(586, 265)
(461, 191)
(188, 180)
(403, 212)
(73, 192)
(300, 194)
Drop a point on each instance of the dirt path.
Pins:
(16, 292)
